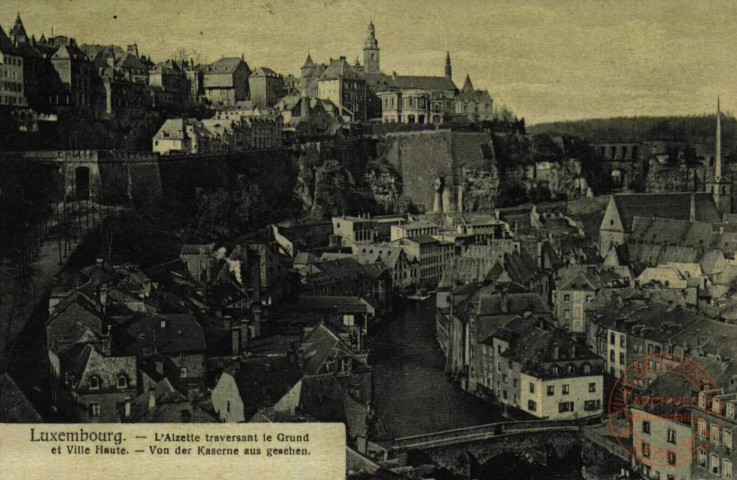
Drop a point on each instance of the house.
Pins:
(432, 255)
(265, 86)
(11, 69)
(347, 316)
(92, 385)
(324, 398)
(402, 269)
(345, 87)
(355, 230)
(616, 226)
(181, 136)
(163, 403)
(412, 229)
(250, 384)
(225, 82)
(572, 298)
(174, 343)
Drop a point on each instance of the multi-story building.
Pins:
(184, 136)
(471, 105)
(572, 298)
(266, 87)
(310, 74)
(345, 87)
(76, 73)
(225, 82)
(168, 81)
(11, 74)
(432, 255)
(412, 229)
(355, 230)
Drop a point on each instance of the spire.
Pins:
(18, 32)
(308, 61)
(467, 85)
(371, 41)
(718, 152)
(448, 67)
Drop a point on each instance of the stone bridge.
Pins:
(459, 449)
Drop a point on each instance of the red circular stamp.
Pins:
(653, 423)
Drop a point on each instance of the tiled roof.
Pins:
(340, 69)
(166, 334)
(665, 205)
(264, 72)
(225, 65)
(263, 380)
(90, 363)
(407, 82)
(322, 346)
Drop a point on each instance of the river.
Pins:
(412, 395)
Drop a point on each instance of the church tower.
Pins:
(371, 51)
(448, 67)
(720, 185)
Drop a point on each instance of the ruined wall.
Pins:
(663, 178)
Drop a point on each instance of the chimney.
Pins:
(692, 210)
(151, 399)
(127, 408)
(504, 302)
(556, 351)
(573, 351)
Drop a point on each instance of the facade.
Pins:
(12, 86)
(412, 229)
(617, 224)
(432, 256)
(266, 87)
(76, 73)
(355, 230)
(225, 82)
(345, 87)
(170, 77)
(473, 106)
(183, 136)
(572, 297)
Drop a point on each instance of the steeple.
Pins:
(371, 52)
(18, 32)
(448, 67)
(718, 147)
(308, 61)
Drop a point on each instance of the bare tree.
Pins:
(183, 55)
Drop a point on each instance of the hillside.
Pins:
(693, 128)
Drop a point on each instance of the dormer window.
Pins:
(122, 382)
(183, 372)
(95, 383)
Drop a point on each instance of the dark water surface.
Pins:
(412, 395)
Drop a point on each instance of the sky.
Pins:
(545, 60)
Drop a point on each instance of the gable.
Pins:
(612, 219)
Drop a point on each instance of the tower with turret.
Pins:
(371, 59)
(719, 185)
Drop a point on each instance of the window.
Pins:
(715, 464)
(671, 458)
(566, 298)
(566, 314)
(504, 394)
(566, 389)
(612, 338)
(554, 370)
(714, 434)
(611, 356)
(592, 387)
(730, 410)
(94, 383)
(586, 369)
(510, 365)
(122, 382)
(94, 410)
(727, 468)
(671, 436)
(531, 405)
(532, 387)
(621, 358)
(702, 428)
(621, 340)
(183, 372)
(701, 458)
(551, 390)
(565, 407)
(504, 378)
(592, 405)
(514, 382)
(645, 449)
(727, 438)
(646, 427)
(498, 366)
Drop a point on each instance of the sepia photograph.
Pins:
(371, 240)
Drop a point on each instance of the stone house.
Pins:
(225, 81)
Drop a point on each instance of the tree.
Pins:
(182, 55)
